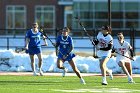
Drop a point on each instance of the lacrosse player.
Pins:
(65, 44)
(124, 53)
(104, 44)
(33, 45)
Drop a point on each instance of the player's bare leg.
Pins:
(129, 68)
(109, 71)
(103, 69)
(122, 64)
(75, 69)
(60, 66)
(40, 64)
(33, 65)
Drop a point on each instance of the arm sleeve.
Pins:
(131, 50)
(131, 53)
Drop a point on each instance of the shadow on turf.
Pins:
(28, 82)
(112, 82)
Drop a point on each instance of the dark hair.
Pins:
(108, 28)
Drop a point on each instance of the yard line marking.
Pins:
(113, 90)
(106, 90)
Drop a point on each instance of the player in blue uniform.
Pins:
(65, 44)
(33, 45)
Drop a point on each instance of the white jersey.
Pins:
(103, 43)
(124, 50)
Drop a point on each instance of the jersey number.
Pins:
(102, 44)
(122, 50)
(64, 46)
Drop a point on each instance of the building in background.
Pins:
(20, 14)
(94, 13)
(52, 14)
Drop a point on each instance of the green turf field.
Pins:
(58, 84)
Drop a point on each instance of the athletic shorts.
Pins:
(34, 50)
(123, 61)
(103, 57)
(69, 57)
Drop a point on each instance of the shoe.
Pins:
(130, 80)
(110, 75)
(35, 74)
(41, 73)
(104, 83)
(82, 81)
(64, 72)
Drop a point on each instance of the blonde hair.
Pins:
(67, 29)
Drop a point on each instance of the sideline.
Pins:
(60, 74)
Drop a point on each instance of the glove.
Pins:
(95, 41)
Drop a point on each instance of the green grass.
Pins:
(57, 84)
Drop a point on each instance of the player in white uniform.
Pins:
(104, 44)
(122, 47)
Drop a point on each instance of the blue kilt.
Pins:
(69, 57)
(34, 50)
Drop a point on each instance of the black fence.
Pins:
(9, 38)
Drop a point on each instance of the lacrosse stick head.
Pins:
(19, 49)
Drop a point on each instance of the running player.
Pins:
(65, 44)
(104, 44)
(122, 47)
(32, 44)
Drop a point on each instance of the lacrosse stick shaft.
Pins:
(124, 56)
(85, 30)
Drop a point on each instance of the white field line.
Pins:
(60, 74)
(109, 90)
(105, 90)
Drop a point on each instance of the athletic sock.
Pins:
(128, 76)
(104, 78)
(39, 69)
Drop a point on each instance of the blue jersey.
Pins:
(64, 44)
(34, 38)
(64, 47)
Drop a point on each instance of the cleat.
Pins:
(110, 75)
(82, 81)
(35, 74)
(64, 72)
(104, 82)
(130, 80)
(41, 73)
